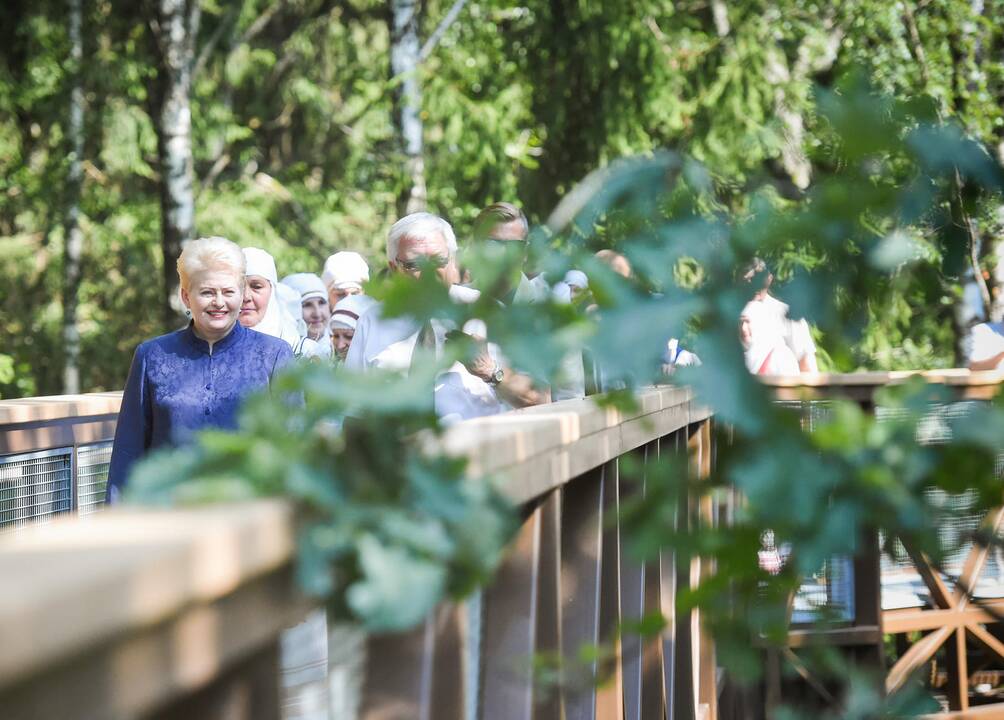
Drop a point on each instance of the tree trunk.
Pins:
(404, 65)
(175, 31)
(73, 237)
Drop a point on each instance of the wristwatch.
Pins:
(496, 377)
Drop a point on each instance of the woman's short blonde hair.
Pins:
(207, 254)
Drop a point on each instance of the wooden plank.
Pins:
(958, 671)
(581, 557)
(942, 596)
(918, 654)
(247, 691)
(981, 712)
(82, 582)
(398, 679)
(610, 692)
(548, 705)
(980, 633)
(977, 558)
(53, 407)
(911, 619)
(447, 691)
(156, 666)
(706, 661)
(49, 434)
(632, 599)
(510, 627)
(858, 635)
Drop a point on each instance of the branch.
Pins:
(917, 50)
(437, 34)
(720, 14)
(213, 41)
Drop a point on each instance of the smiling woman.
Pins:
(196, 377)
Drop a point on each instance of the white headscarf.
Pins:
(347, 312)
(345, 270)
(277, 321)
(291, 302)
(308, 285)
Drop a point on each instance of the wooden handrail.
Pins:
(58, 407)
(965, 384)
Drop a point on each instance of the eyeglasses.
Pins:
(436, 261)
(507, 242)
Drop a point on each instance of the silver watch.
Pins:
(496, 377)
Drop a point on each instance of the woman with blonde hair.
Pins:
(196, 377)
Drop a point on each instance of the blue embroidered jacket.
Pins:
(176, 387)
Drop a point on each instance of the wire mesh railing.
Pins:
(828, 590)
(37, 486)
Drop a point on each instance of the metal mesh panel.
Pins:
(92, 476)
(901, 584)
(35, 486)
(831, 589)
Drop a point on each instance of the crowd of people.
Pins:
(245, 325)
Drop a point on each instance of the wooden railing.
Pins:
(966, 631)
(177, 614)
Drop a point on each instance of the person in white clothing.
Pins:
(313, 304)
(291, 301)
(416, 240)
(462, 392)
(345, 318)
(773, 343)
(262, 309)
(986, 346)
(344, 274)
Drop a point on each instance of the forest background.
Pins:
(314, 124)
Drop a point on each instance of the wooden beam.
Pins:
(942, 596)
(909, 620)
(857, 635)
(982, 712)
(958, 671)
(977, 558)
(918, 654)
(980, 633)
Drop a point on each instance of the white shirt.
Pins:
(535, 290)
(461, 395)
(986, 340)
(778, 343)
(307, 348)
(387, 343)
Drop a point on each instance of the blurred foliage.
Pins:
(387, 526)
(294, 147)
(383, 507)
(824, 137)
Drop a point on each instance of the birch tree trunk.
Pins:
(175, 31)
(405, 59)
(73, 237)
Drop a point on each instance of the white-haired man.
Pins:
(415, 242)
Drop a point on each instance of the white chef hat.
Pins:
(260, 263)
(347, 312)
(308, 285)
(345, 270)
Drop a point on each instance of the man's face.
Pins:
(414, 252)
(505, 247)
(316, 314)
(336, 295)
